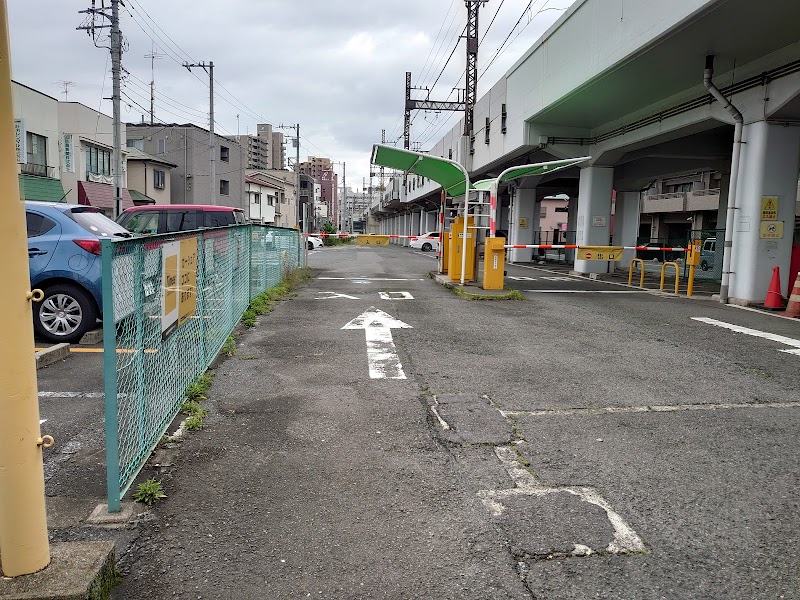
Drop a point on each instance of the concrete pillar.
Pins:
(572, 223)
(626, 225)
(521, 227)
(594, 214)
(769, 167)
(422, 225)
(655, 226)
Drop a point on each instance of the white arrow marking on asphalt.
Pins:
(381, 352)
(756, 333)
(336, 295)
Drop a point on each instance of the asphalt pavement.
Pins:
(378, 436)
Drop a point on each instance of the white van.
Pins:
(707, 254)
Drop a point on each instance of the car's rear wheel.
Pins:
(426, 247)
(310, 245)
(64, 314)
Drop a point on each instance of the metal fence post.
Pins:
(110, 376)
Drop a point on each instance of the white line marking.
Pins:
(42, 421)
(368, 279)
(625, 539)
(642, 409)
(781, 339)
(585, 291)
(396, 296)
(334, 295)
(381, 351)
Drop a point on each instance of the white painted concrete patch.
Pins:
(641, 409)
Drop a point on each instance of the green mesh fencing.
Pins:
(169, 304)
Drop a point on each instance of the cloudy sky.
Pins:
(337, 67)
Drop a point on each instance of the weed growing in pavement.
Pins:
(229, 347)
(194, 423)
(149, 491)
(511, 295)
(198, 389)
(193, 409)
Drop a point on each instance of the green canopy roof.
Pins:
(542, 168)
(447, 173)
(41, 189)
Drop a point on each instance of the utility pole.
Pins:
(153, 56)
(212, 144)
(91, 27)
(297, 169)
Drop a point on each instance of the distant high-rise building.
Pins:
(321, 169)
(265, 149)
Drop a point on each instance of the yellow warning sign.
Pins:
(613, 253)
(372, 240)
(769, 208)
(772, 230)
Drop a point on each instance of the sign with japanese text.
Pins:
(769, 208)
(772, 230)
(612, 253)
(179, 281)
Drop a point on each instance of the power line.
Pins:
(433, 46)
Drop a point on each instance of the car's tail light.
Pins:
(91, 246)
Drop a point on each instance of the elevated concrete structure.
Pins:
(623, 82)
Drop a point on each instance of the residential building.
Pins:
(284, 184)
(187, 146)
(321, 169)
(87, 136)
(149, 177)
(37, 139)
(264, 151)
(262, 199)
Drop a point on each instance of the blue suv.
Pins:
(64, 259)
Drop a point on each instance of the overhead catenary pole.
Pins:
(24, 546)
(212, 150)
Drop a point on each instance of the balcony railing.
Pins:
(702, 200)
(682, 202)
(36, 170)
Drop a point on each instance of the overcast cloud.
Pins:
(336, 67)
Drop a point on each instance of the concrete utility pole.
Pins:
(24, 547)
(116, 67)
(212, 144)
(296, 168)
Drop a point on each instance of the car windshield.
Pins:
(95, 222)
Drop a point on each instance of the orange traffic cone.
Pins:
(793, 309)
(774, 298)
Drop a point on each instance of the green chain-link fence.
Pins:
(169, 303)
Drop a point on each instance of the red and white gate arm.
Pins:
(575, 247)
(355, 235)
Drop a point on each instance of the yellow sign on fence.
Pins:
(179, 274)
(372, 240)
(612, 253)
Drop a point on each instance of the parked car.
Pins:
(313, 242)
(426, 241)
(657, 254)
(170, 218)
(63, 257)
(708, 253)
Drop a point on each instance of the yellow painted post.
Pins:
(677, 275)
(494, 260)
(693, 259)
(24, 547)
(445, 250)
(639, 262)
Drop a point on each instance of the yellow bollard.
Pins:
(677, 275)
(639, 262)
(24, 547)
(692, 259)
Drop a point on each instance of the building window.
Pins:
(37, 149)
(256, 198)
(503, 117)
(98, 161)
(488, 123)
(162, 146)
(450, 154)
(224, 153)
(542, 212)
(158, 179)
(136, 143)
(224, 187)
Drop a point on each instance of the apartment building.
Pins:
(149, 177)
(187, 146)
(321, 169)
(265, 150)
(284, 184)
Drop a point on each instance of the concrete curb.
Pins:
(51, 355)
(474, 291)
(95, 336)
(77, 571)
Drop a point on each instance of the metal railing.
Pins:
(169, 303)
(36, 170)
